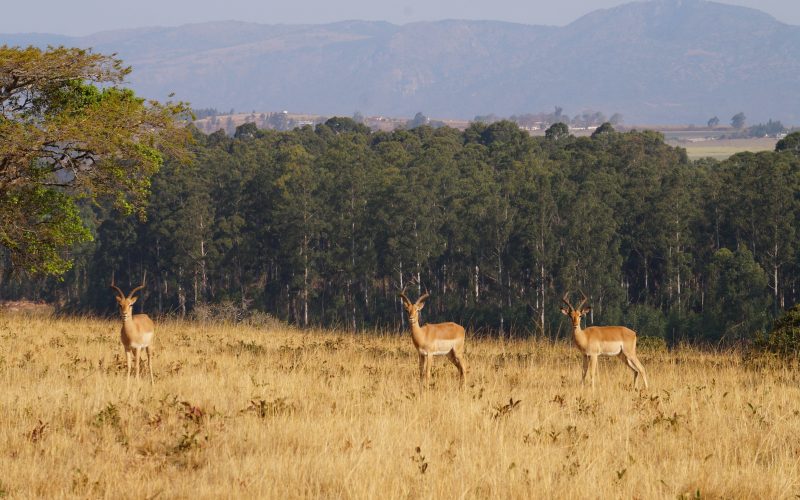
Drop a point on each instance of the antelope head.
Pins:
(126, 303)
(413, 308)
(575, 313)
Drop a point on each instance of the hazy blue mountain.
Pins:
(658, 61)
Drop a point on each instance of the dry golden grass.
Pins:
(238, 412)
(725, 148)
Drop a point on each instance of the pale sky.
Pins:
(83, 17)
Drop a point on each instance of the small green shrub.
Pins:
(784, 338)
(263, 320)
(108, 415)
(228, 312)
(4, 490)
(651, 344)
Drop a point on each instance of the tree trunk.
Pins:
(203, 275)
(542, 298)
(477, 283)
(181, 294)
(402, 287)
(305, 295)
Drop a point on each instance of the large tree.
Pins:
(790, 143)
(738, 121)
(69, 130)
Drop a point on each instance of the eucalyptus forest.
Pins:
(323, 226)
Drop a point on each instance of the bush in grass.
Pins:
(784, 338)
(230, 312)
(649, 343)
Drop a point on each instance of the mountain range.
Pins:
(654, 62)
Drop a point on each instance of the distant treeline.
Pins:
(533, 121)
(324, 225)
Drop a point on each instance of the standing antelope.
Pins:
(434, 339)
(136, 333)
(603, 340)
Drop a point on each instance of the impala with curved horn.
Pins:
(137, 331)
(434, 339)
(602, 341)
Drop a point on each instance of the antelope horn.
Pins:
(115, 287)
(564, 300)
(138, 287)
(402, 294)
(583, 301)
(423, 297)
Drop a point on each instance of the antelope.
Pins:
(434, 339)
(136, 333)
(602, 340)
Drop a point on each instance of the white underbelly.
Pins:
(142, 342)
(611, 349)
(440, 348)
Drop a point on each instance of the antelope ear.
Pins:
(132, 300)
(586, 310)
(119, 299)
(420, 306)
(564, 311)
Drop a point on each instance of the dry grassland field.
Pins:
(245, 412)
(721, 149)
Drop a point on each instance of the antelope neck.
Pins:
(416, 330)
(578, 335)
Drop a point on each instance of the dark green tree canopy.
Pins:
(790, 143)
(340, 124)
(557, 131)
(69, 131)
(246, 131)
(604, 129)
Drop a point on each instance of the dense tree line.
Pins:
(324, 225)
